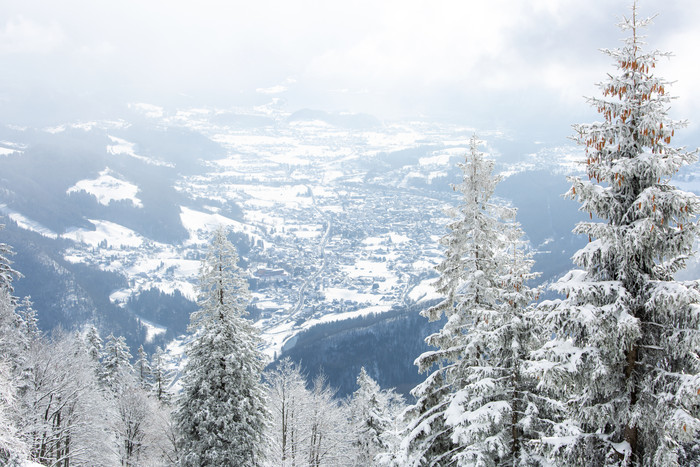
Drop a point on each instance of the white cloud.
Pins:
(22, 35)
(410, 56)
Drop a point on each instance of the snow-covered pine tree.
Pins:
(116, 372)
(161, 376)
(470, 410)
(142, 369)
(624, 359)
(221, 412)
(7, 274)
(93, 343)
(27, 313)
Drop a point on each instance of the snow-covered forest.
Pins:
(608, 373)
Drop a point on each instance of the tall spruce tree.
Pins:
(624, 357)
(161, 375)
(116, 372)
(143, 370)
(93, 343)
(221, 412)
(7, 273)
(470, 410)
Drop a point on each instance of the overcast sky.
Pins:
(505, 62)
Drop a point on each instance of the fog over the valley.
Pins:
(508, 64)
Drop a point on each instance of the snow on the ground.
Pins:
(200, 225)
(267, 305)
(187, 289)
(284, 334)
(335, 209)
(376, 270)
(375, 309)
(570, 160)
(264, 218)
(348, 295)
(114, 235)
(290, 195)
(429, 176)
(124, 147)
(152, 329)
(119, 297)
(424, 291)
(107, 188)
(26, 223)
(440, 159)
(422, 265)
(147, 273)
(332, 175)
(398, 238)
(395, 139)
(176, 360)
(276, 337)
(88, 126)
(305, 231)
(373, 242)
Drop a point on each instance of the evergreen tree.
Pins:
(7, 274)
(143, 370)
(94, 343)
(27, 313)
(161, 376)
(221, 411)
(624, 357)
(472, 409)
(116, 372)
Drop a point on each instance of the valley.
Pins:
(335, 217)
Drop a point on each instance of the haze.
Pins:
(510, 64)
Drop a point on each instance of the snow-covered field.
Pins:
(26, 223)
(107, 188)
(122, 147)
